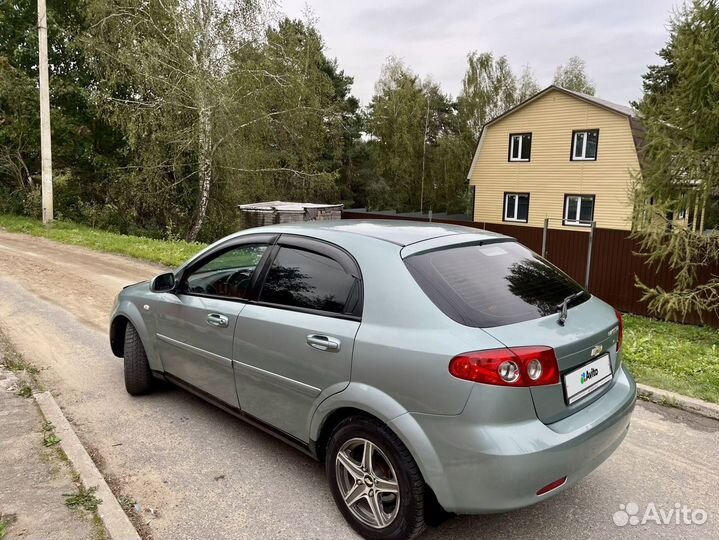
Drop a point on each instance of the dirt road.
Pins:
(206, 475)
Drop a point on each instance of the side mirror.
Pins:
(163, 282)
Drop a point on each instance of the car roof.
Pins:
(401, 233)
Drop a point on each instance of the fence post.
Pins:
(589, 255)
(544, 237)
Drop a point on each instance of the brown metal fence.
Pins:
(614, 261)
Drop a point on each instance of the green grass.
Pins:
(676, 357)
(5, 521)
(170, 253)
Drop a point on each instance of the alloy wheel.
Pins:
(367, 482)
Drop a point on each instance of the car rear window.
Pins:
(493, 284)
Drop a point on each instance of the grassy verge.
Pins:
(676, 357)
(170, 253)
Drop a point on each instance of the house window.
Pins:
(520, 146)
(578, 210)
(516, 207)
(584, 145)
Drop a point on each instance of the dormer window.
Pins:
(520, 146)
(584, 145)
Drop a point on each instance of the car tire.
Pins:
(408, 520)
(138, 377)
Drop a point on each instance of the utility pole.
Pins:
(45, 142)
(424, 155)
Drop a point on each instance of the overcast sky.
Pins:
(616, 38)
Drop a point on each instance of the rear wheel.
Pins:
(374, 480)
(138, 377)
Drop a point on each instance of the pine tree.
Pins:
(679, 184)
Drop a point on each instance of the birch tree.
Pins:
(489, 88)
(527, 85)
(573, 76)
(164, 68)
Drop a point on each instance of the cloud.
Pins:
(616, 38)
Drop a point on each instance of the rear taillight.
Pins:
(518, 366)
(620, 333)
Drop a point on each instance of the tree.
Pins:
(527, 85)
(489, 88)
(572, 76)
(163, 67)
(300, 153)
(397, 118)
(85, 147)
(680, 167)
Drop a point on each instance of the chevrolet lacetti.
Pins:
(429, 366)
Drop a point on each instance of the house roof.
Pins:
(593, 100)
(284, 206)
(628, 112)
(621, 109)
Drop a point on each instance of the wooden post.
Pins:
(45, 141)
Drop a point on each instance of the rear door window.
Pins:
(304, 279)
(492, 285)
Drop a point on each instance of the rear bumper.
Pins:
(492, 458)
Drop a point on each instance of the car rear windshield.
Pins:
(493, 284)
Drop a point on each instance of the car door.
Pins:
(195, 325)
(295, 341)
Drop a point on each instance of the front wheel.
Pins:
(374, 481)
(138, 377)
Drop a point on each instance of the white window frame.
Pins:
(518, 137)
(574, 221)
(584, 157)
(516, 207)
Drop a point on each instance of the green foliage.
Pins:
(489, 88)
(677, 195)
(572, 76)
(49, 438)
(25, 391)
(676, 357)
(527, 85)
(5, 521)
(84, 498)
(168, 114)
(419, 149)
(85, 147)
(167, 252)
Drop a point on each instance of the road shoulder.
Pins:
(672, 399)
(36, 481)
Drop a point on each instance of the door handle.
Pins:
(323, 343)
(215, 319)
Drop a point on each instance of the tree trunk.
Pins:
(204, 171)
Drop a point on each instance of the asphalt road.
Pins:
(205, 474)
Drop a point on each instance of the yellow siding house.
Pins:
(560, 155)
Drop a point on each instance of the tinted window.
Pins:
(227, 274)
(305, 279)
(492, 285)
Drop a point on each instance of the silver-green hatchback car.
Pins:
(431, 367)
